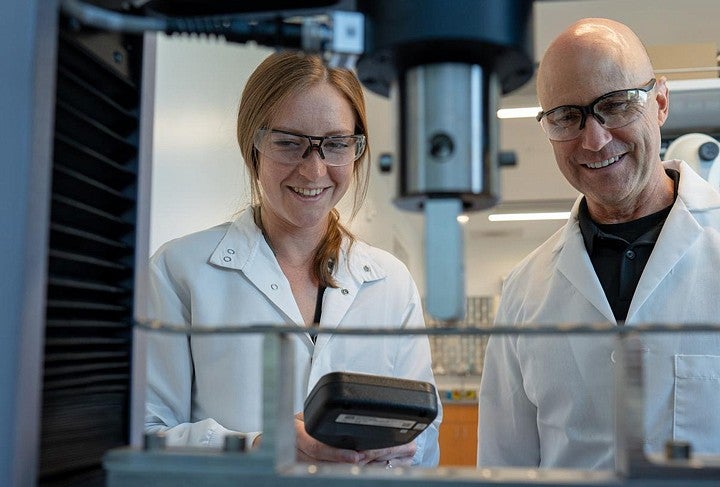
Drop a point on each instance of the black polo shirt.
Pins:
(619, 251)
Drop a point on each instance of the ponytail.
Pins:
(327, 253)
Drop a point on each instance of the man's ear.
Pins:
(662, 96)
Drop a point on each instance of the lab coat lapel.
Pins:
(265, 273)
(338, 300)
(354, 269)
(243, 248)
(677, 236)
(574, 263)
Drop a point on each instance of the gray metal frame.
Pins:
(142, 232)
(273, 463)
(27, 63)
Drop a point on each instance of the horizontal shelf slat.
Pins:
(86, 286)
(78, 426)
(92, 163)
(87, 66)
(63, 237)
(86, 98)
(75, 214)
(52, 383)
(85, 324)
(82, 343)
(87, 132)
(52, 359)
(74, 184)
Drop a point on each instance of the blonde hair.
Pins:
(283, 75)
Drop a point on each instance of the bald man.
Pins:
(642, 245)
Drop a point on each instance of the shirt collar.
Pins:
(590, 230)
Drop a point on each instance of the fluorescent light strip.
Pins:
(525, 112)
(514, 217)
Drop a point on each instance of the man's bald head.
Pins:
(614, 163)
(597, 54)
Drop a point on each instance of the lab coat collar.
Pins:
(244, 248)
(680, 231)
(242, 243)
(574, 263)
(697, 194)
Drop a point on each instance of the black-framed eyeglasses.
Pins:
(612, 110)
(290, 148)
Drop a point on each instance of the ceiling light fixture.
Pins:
(515, 217)
(531, 210)
(523, 112)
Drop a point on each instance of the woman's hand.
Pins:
(396, 456)
(308, 449)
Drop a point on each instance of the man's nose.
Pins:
(594, 135)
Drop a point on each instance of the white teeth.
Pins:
(308, 191)
(606, 162)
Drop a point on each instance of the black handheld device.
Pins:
(365, 412)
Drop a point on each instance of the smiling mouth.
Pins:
(605, 163)
(308, 191)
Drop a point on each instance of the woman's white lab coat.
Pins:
(548, 400)
(201, 387)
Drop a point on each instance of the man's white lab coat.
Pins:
(201, 387)
(548, 401)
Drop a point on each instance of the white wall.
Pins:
(657, 22)
(198, 174)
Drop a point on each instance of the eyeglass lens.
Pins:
(289, 148)
(612, 110)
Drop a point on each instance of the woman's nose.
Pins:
(312, 166)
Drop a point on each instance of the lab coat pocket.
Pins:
(697, 402)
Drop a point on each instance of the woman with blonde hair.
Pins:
(287, 259)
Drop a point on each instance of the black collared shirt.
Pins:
(619, 251)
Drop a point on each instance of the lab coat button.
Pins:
(630, 254)
(227, 259)
(230, 251)
(612, 356)
(273, 286)
(366, 268)
(345, 291)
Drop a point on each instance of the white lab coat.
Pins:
(202, 387)
(548, 401)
